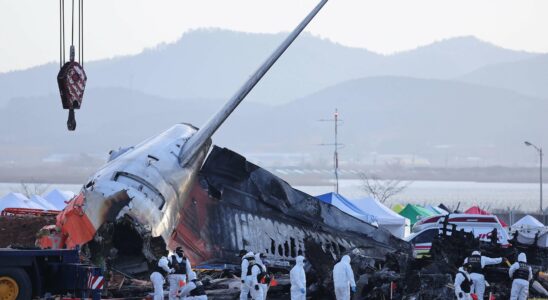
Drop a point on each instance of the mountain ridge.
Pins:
(399, 115)
(214, 63)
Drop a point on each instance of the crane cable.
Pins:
(62, 32)
(62, 56)
(72, 77)
(81, 32)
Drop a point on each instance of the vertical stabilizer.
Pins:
(195, 143)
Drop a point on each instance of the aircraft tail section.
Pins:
(195, 143)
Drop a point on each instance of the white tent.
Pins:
(16, 200)
(58, 198)
(528, 228)
(436, 209)
(527, 222)
(386, 218)
(543, 240)
(43, 203)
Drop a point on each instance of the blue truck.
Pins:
(35, 273)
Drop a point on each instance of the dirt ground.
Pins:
(21, 230)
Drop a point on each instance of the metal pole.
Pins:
(336, 153)
(541, 207)
(336, 150)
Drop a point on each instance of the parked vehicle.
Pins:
(481, 226)
(27, 274)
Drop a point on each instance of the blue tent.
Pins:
(346, 206)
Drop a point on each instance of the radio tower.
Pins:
(337, 145)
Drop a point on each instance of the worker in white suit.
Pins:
(161, 271)
(180, 267)
(343, 279)
(521, 275)
(247, 260)
(463, 283)
(264, 278)
(477, 263)
(297, 277)
(194, 289)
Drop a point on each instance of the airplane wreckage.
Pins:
(173, 190)
(161, 193)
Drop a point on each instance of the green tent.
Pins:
(415, 213)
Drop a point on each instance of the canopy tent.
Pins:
(397, 208)
(415, 213)
(475, 210)
(543, 240)
(385, 217)
(527, 222)
(347, 206)
(436, 210)
(58, 198)
(17, 200)
(43, 203)
(528, 229)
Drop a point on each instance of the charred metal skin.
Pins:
(237, 205)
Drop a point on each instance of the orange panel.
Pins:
(75, 226)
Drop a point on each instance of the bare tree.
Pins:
(381, 189)
(29, 189)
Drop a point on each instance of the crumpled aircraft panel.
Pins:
(238, 205)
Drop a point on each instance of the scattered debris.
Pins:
(21, 231)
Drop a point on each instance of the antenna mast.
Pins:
(337, 145)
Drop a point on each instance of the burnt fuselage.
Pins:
(236, 205)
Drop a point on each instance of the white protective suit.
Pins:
(185, 291)
(253, 285)
(520, 287)
(297, 277)
(459, 279)
(244, 288)
(343, 279)
(176, 281)
(478, 280)
(263, 286)
(158, 280)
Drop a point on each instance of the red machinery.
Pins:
(28, 212)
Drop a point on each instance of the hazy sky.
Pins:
(29, 28)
